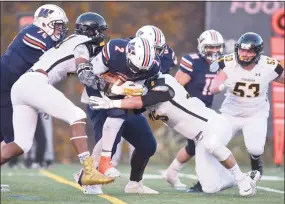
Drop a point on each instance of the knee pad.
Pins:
(24, 144)
(78, 114)
(219, 151)
(190, 147)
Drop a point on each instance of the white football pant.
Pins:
(254, 132)
(32, 93)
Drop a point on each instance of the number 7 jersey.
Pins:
(249, 96)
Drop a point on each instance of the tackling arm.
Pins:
(182, 78)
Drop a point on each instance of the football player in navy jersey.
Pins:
(117, 58)
(195, 75)
(48, 29)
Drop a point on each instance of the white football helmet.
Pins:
(154, 35)
(140, 55)
(211, 45)
(52, 20)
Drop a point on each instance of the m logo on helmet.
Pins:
(245, 46)
(45, 12)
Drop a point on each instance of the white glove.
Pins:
(103, 103)
(128, 88)
(227, 84)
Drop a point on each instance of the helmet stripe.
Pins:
(147, 51)
(157, 34)
(214, 36)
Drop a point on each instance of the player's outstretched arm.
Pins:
(137, 102)
(218, 82)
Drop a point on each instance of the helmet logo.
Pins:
(245, 46)
(131, 48)
(45, 12)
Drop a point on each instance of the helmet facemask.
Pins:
(212, 52)
(59, 28)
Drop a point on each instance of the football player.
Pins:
(34, 91)
(131, 60)
(48, 29)
(246, 75)
(195, 75)
(168, 101)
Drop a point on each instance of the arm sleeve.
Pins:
(154, 97)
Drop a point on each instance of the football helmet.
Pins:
(209, 40)
(92, 25)
(140, 55)
(154, 35)
(52, 20)
(249, 41)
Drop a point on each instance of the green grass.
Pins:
(38, 189)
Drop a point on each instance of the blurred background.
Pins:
(181, 23)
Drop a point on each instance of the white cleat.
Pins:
(139, 188)
(112, 172)
(175, 182)
(255, 176)
(89, 189)
(244, 186)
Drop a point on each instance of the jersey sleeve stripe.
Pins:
(186, 65)
(34, 43)
(33, 46)
(279, 69)
(36, 39)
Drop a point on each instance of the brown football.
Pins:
(112, 78)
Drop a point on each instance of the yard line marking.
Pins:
(270, 189)
(76, 185)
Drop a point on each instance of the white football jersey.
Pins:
(187, 115)
(59, 61)
(249, 94)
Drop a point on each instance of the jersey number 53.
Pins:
(249, 90)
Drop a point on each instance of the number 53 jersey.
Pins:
(249, 95)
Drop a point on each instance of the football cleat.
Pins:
(244, 185)
(139, 188)
(90, 176)
(197, 188)
(105, 167)
(88, 189)
(255, 176)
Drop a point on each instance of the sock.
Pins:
(237, 172)
(138, 164)
(175, 165)
(105, 153)
(82, 156)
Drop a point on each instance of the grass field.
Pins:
(56, 186)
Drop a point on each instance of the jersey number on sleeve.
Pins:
(246, 90)
(154, 116)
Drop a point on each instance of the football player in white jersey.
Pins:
(34, 91)
(246, 75)
(168, 101)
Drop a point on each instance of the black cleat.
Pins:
(256, 164)
(197, 188)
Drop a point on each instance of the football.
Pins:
(112, 78)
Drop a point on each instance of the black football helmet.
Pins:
(92, 25)
(249, 41)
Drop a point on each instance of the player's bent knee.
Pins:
(78, 114)
(211, 189)
(219, 151)
(256, 151)
(25, 145)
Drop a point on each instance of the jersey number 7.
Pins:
(242, 89)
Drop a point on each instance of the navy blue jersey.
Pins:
(114, 57)
(168, 60)
(26, 49)
(201, 77)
